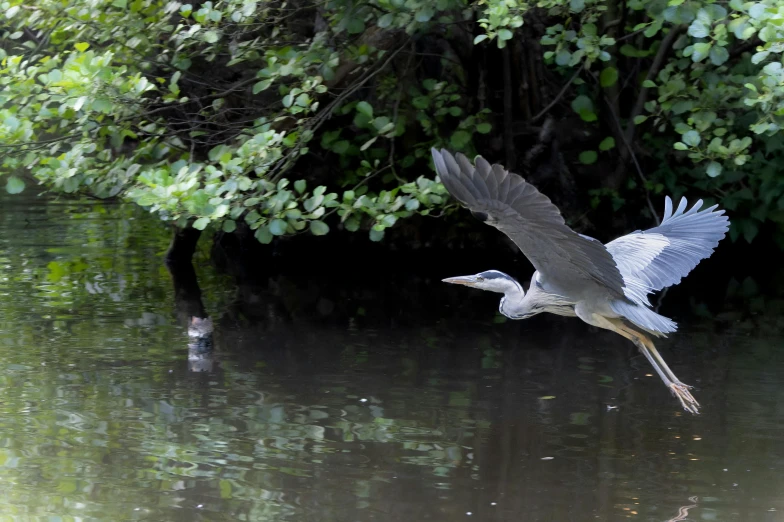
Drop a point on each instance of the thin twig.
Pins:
(508, 137)
(559, 95)
(630, 35)
(665, 46)
(628, 145)
(41, 142)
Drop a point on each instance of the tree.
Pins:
(291, 116)
(700, 77)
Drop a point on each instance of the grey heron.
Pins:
(577, 276)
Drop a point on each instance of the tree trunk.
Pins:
(183, 245)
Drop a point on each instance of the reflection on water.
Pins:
(294, 417)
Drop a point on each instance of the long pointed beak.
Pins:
(461, 280)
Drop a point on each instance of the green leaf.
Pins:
(759, 57)
(588, 157)
(757, 11)
(352, 224)
(699, 29)
(607, 143)
(682, 106)
(318, 228)
(263, 235)
(376, 235)
(229, 226)
(701, 50)
(420, 102)
(386, 20)
(480, 38)
(608, 77)
(504, 34)
(583, 106)
(368, 143)
(767, 33)
(313, 202)
(382, 124)
(563, 57)
(260, 86)
(341, 147)
(680, 146)
(460, 139)
(14, 185)
(211, 37)
(355, 26)
(425, 13)
(719, 55)
(639, 119)
(299, 185)
(201, 223)
(388, 220)
(278, 227)
(365, 108)
(102, 105)
(484, 128)
(82, 46)
(691, 138)
(631, 51)
(714, 169)
(648, 84)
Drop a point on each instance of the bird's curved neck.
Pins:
(511, 304)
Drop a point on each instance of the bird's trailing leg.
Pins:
(645, 345)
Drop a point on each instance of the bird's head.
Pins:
(491, 280)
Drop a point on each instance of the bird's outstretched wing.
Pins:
(569, 262)
(659, 257)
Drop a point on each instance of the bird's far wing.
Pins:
(567, 260)
(661, 256)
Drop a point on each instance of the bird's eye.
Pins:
(479, 279)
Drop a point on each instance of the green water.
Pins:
(304, 418)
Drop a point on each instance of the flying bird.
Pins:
(577, 276)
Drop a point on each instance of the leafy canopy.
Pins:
(298, 116)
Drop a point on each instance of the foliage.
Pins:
(305, 116)
(130, 99)
(714, 79)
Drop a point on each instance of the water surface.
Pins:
(324, 404)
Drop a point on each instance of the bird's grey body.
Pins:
(604, 285)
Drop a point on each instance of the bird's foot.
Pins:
(689, 403)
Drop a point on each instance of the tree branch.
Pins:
(665, 46)
(508, 137)
(628, 148)
(559, 95)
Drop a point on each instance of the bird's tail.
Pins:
(644, 318)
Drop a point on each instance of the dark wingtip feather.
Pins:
(438, 161)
